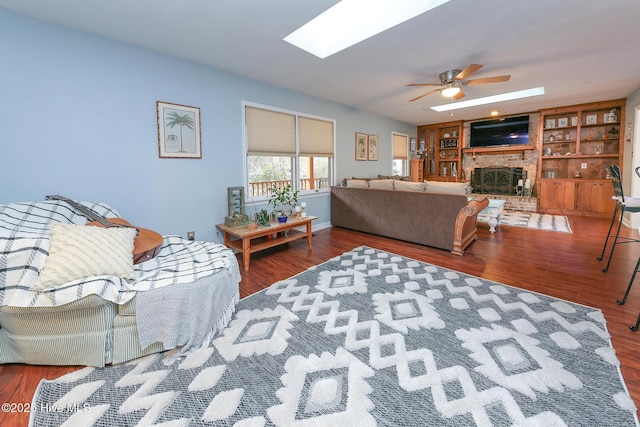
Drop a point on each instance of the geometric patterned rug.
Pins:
(369, 338)
(535, 220)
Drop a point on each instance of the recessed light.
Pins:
(490, 99)
(351, 21)
(495, 113)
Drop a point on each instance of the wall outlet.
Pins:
(191, 235)
(583, 165)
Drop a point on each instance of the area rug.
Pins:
(559, 223)
(369, 338)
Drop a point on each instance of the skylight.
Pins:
(351, 21)
(490, 99)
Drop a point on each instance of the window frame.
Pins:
(405, 160)
(295, 160)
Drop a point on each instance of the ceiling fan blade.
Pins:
(425, 94)
(459, 95)
(424, 84)
(496, 79)
(471, 68)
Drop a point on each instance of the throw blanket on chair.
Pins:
(24, 244)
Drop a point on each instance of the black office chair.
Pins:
(622, 206)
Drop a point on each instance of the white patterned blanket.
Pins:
(24, 243)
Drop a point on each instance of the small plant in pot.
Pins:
(263, 217)
(284, 200)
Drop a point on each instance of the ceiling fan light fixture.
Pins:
(450, 91)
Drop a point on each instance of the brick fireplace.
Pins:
(497, 180)
(503, 162)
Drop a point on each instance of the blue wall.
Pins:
(78, 118)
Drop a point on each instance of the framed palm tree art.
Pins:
(179, 134)
(374, 144)
(361, 146)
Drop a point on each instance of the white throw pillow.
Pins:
(447, 187)
(381, 184)
(409, 186)
(79, 251)
(357, 183)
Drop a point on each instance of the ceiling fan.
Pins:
(451, 82)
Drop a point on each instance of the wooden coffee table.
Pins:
(250, 241)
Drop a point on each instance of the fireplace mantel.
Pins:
(498, 150)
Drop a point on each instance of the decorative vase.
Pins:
(282, 218)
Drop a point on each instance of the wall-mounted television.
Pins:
(507, 131)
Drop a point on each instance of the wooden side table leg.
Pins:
(246, 252)
(309, 235)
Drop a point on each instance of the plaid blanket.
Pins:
(24, 244)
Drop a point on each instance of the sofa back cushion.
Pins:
(357, 183)
(409, 186)
(461, 188)
(381, 184)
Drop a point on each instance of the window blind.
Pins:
(270, 133)
(316, 137)
(400, 146)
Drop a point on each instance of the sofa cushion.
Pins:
(381, 184)
(344, 180)
(357, 183)
(447, 187)
(78, 251)
(409, 186)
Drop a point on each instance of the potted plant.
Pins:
(262, 217)
(283, 200)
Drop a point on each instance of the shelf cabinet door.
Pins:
(443, 144)
(557, 195)
(595, 196)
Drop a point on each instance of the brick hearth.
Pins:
(515, 203)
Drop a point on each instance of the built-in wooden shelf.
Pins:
(581, 156)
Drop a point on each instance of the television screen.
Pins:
(507, 131)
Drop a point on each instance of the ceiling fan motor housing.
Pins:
(449, 76)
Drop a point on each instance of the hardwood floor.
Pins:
(557, 264)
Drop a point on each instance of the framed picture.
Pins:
(361, 146)
(179, 134)
(412, 144)
(592, 119)
(550, 123)
(574, 121)
(374, 142)
(563, 122)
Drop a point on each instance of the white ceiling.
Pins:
(579, 50)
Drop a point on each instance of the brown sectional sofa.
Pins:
(413, 212)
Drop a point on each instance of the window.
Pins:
(400, 157)
(287, 148)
